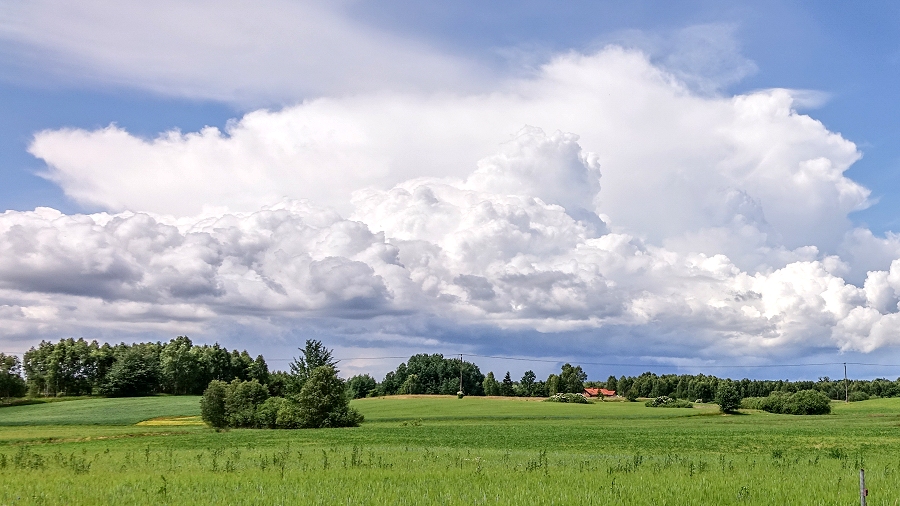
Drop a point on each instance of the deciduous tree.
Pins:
(526, 384)
(491, 385)
(571, 379)
(212, 404)
(727, 396)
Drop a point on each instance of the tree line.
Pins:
(435, 374)
(703, 388)
(77, 367)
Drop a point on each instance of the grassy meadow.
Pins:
(443, 450)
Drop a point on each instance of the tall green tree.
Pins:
(259, 371)
(507, 387)
(64, 368)
(11, 382)
(212, 404)
(411, 385)
(728, 397)
(491, 385)
(313, 355)
(571, 379)
(552, 384)
(526, 384)
(179, 366)
(612, 383)
(135, 373)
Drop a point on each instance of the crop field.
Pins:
(443, 450)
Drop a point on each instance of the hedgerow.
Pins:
(804, 402)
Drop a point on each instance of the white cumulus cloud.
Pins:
(673, 162)
(600, 199)
(505, 246)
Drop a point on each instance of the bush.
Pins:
(804, 402)
(858, 396)
(267, 413)
(212, 404)
(571, 398)
(289, 415)
(668, 402)
(752, 403)
(241, 402)
(323, 401)
(807, 402)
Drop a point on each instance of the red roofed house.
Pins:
(597, 392)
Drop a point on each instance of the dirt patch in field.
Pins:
(172, 421)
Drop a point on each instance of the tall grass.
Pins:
(415, 475)
(454, 453)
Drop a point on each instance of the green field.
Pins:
(442, 450)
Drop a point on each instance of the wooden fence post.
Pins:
(863, 492)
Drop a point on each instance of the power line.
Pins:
(355, 358)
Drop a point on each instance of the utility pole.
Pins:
(846, 388)
(460, 371)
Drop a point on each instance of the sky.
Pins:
(670, 186)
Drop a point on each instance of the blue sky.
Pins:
(339, 69)
(852, 55)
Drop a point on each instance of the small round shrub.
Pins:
(858, 396)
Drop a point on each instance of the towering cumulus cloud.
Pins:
(598, 200)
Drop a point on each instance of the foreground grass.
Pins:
(428, 450)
